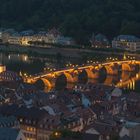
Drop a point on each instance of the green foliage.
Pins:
(76, 18)
(65, 134)
(115, 137)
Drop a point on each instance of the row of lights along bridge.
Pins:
(89, 62)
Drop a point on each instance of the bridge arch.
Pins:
(65, 80)
(69, 77)
(126, 67)
(109, 70)
(90, 73)
(125, 76)
(47, 82)
(108, 80)
(44, 83)
(51, 82)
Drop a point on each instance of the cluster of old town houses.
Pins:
(54, 36)
(27, 37)
(95, 111)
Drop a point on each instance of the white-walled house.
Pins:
(65, 40)
(126, 42)
(99, 41)
(131, 129)
(116, 92)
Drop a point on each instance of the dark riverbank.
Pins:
(55, 52)
(41, 52)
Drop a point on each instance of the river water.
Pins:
(23, 63)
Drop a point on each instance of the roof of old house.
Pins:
(125, 138)
(7, 120)
(10, 76)
(101, 37)
(83, 136)
(127, 38)
(101, 128)
(29, 113)
(8, 134)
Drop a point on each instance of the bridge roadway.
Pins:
(96, 66)
(49, 78)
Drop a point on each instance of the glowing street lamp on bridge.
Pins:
(69, 71)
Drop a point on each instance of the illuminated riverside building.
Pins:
(9, 76)
(2, 68)
(126, 42)
(15, 39)
(27, 38)
(99, 41)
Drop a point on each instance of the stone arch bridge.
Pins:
(91, 70)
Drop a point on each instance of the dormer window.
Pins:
(29, 121)
(41, 126)
(21, 120)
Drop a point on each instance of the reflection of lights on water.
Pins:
(25, 74)
(131, 85)
(134, 85)
(48, 89)
(9, 57)
(25, 58)
(137, 75)
(20, 73)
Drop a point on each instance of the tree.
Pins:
(76, 18)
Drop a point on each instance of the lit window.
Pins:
(21, 120)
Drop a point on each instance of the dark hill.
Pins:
(77, 18)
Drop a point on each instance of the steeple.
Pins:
(124, 56)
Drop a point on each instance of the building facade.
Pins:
(126, 42)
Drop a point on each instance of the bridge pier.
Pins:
(93, 81)
(93, 72)
(125, 76)
(111, 70)
(128, 67)
(109, 80)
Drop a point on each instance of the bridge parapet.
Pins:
(92, 71)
